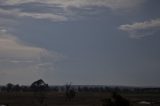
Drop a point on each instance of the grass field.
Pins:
(81, 99)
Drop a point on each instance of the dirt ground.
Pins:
(81, 99)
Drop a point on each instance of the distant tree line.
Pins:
(40, 85)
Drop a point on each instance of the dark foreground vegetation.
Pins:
(41, 94)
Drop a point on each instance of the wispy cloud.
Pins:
(11, 47)
(80, 3)
(48, 16)
(141, 29)
(67, 7)
(17, 13)
(17, 57)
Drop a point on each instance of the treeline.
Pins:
(40, 85)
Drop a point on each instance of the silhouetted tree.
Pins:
(9, 87)
(70, 92)
(39, 87)
(16, 88)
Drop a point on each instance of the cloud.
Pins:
(67, 8)
(20, 61)
(114, 4)
(141, 29)
(17, 13)
(12, 48)
(52, 17)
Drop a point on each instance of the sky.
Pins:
(86, 42)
